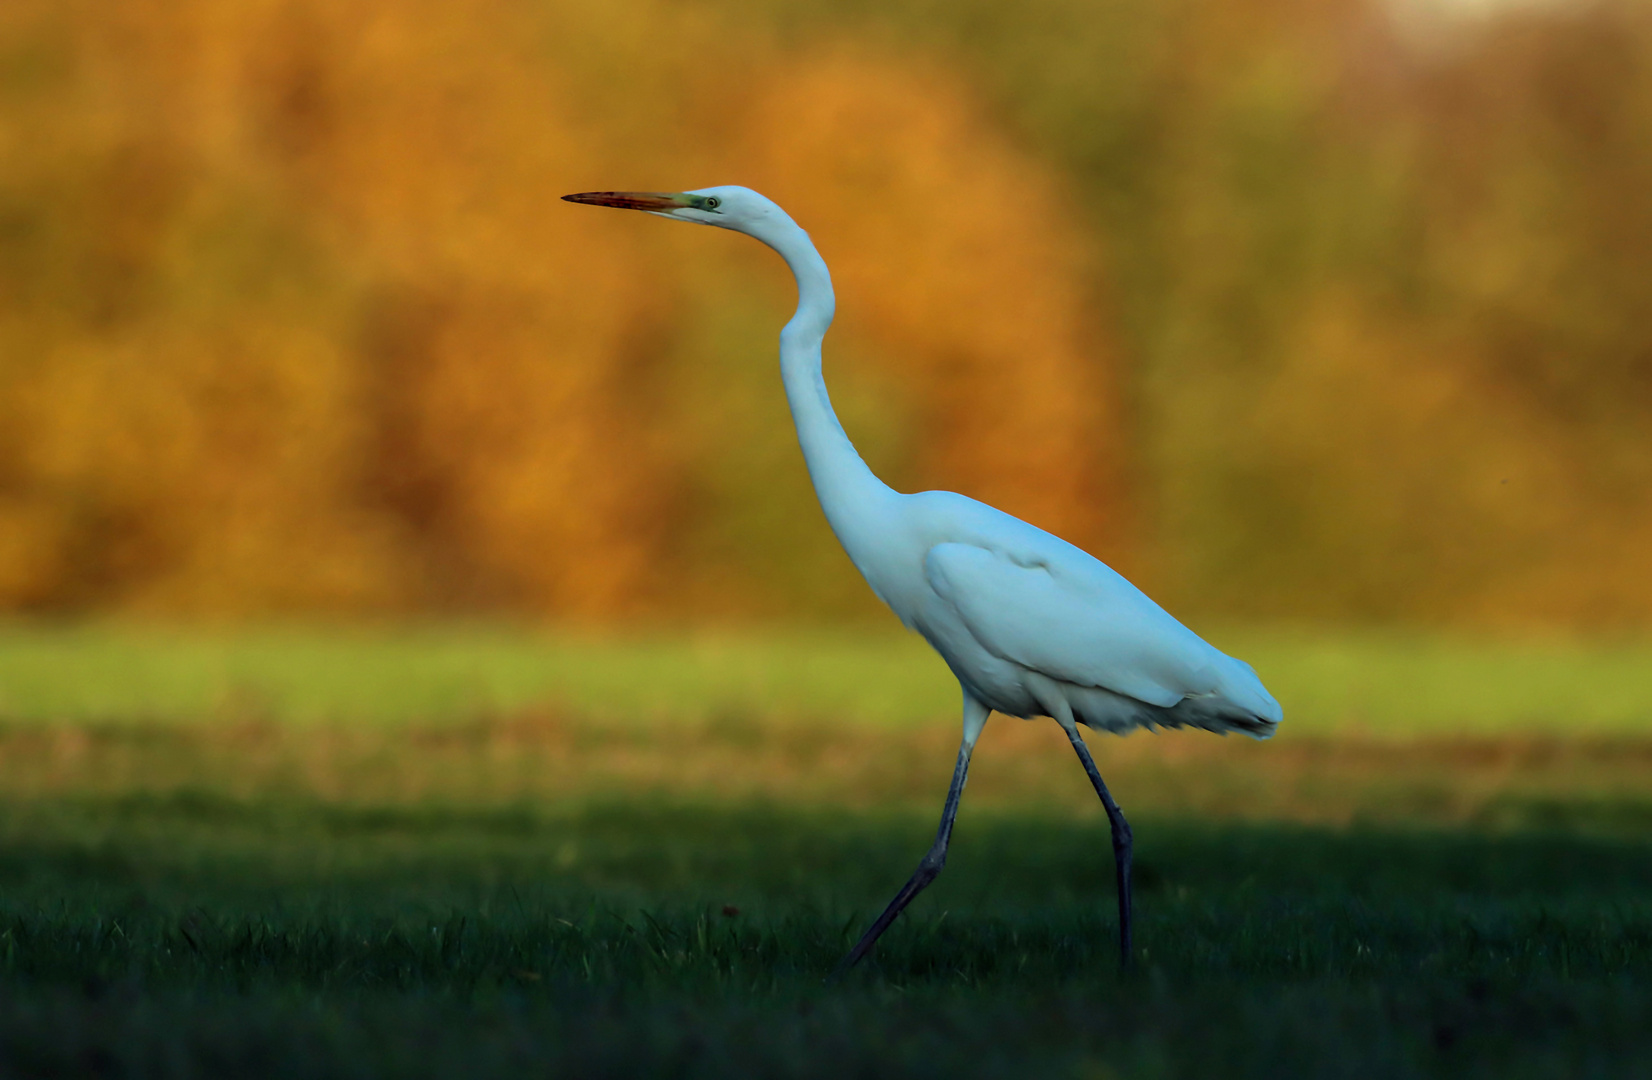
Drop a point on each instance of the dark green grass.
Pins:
(462, 854)
(185, 934)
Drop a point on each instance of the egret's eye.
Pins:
(713, 203)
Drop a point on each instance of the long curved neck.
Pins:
(846, 487)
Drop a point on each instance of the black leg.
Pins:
(928, 870)
(1121, 839)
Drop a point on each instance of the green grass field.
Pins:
(484, 853)
(1330, 683)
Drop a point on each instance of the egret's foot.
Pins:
(928, 870)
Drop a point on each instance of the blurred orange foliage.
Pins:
(1284, 312)
(299, 324)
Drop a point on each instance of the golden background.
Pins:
(1290, 310)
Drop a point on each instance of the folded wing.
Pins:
(1084, 624)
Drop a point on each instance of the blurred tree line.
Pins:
(1283, 307)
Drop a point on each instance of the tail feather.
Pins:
(1240, 704)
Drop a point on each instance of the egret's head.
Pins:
(737, 208)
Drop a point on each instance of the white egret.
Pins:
(1030, 624)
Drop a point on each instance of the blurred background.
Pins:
(1333, 311)
(419, 640)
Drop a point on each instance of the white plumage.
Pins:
(1029, 624)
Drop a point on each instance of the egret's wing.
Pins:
(1071, 624)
